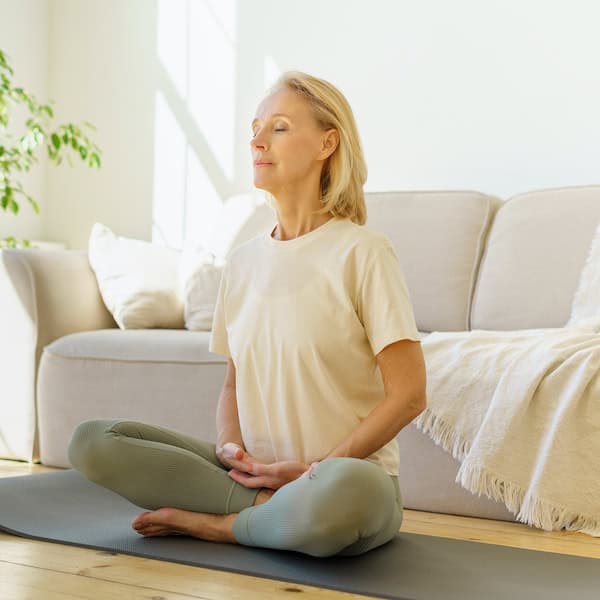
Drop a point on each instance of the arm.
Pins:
(402, 368)
(229, 448)
(228, 420)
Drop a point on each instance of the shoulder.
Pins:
(366, 243)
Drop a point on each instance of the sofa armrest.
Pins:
(44, 295)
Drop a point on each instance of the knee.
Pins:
(86, 448)
(358, 478)
(354, 493)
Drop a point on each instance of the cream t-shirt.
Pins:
(302, 320)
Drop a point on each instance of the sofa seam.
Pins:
(129, 360)
(425, 191)
(553, 189)
(479, 249)
(472, 191)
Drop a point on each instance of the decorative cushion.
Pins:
(138, 280)
(199, 278)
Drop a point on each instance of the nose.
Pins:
(259, 141)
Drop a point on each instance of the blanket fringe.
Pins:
(442, 434)
(535, 512)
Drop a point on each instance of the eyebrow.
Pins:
(273, 116)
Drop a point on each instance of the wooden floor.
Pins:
(35, 570)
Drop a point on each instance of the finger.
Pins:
(247, 480)
(241, 466)
(241, 475)
(233, 451)
(308, 472)
(262, 469)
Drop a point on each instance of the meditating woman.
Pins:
(324, 363)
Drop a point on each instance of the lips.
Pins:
(261, 163)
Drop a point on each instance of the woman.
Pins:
(324, 363)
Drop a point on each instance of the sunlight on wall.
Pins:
(169, 176)
(211, 76)
(172, 43)
(196, 49)
(243, 217)
(203, 205)
(271, 71)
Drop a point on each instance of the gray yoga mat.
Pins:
(65, 507)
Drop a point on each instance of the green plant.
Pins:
(20, 154)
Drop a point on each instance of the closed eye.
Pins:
(254, 134)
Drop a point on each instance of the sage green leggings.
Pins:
(347, 506)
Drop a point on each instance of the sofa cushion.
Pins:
(439, 238)
(534, 255)
(142, 345)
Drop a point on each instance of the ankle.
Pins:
(220, 528)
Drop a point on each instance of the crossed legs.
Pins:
(347, 506)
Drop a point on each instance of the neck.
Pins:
(295, 214)
(294, 226)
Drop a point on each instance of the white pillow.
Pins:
(138, 280)
(585, 309)
(200, 274)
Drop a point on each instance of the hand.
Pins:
(312, 467)
(273, 476)
(233, 456)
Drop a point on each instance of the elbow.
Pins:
(414, 404)
(419, 404)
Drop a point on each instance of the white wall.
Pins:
(102, 69)
(24, 39)
(496, 96)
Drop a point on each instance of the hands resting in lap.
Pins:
(248, 471)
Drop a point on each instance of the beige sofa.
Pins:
(471, 261)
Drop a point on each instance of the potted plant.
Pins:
(20, 154)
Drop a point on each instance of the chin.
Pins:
(262, 186)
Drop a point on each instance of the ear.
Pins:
(330, 142)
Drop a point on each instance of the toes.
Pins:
(152, 530)
(163, 521)
(142, 519)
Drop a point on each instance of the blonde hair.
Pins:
(345, 170)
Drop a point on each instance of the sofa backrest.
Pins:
(439, 237)
(534, 254)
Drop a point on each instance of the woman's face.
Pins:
(287, 139)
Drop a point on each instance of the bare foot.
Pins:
(264, 495)
(206, 526)
(175, 521)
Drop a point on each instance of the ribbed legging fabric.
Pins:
(347, 506)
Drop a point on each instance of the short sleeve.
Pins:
(383, 301)
(218, 343)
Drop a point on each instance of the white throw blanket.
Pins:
(521, 411)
